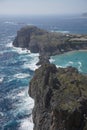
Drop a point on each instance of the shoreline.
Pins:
(82, 50)
(48, 44)
(47, 57)
(49, 71)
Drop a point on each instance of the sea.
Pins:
(17, 66)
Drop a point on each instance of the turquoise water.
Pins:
(76, 59)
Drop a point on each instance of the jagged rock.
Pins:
(60, 97)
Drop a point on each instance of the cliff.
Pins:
(60, 94)
(48, 43)
(60, 97)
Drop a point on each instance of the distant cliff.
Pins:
(60, 97)
(48, 43)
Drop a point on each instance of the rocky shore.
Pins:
(48, 43)
(60, 94)
(60, 97)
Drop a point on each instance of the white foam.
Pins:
(60, 31)
(1, 114)
(21, 51)
(34, 54)
(9, 44)
(70, 63)
(32, 64)
(80, 65)
(1, 79)
(24, 104)
(51, 60)
(58, 66)
(10, 22)
(26, 124)
(17, 49)
(21, 94)
(21, 75)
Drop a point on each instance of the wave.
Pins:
(11, 36)
(60, 31)
(28, 64)
(21, 75)
(32, 64)
(21, 102)
(1, 114)
(26, 124)
(59, 66)
(34, 55)
(70, 63)
(51, 60)
(1, 79)
(22, 106)
(80, 65)
(10, 22)
(20, 50)
(9, 44)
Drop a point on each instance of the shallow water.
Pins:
(76, 59)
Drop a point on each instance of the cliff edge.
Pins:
(60, 96)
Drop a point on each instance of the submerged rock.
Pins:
(60, 96)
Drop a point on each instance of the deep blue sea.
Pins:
(17, 66)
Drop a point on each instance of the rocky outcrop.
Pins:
(25, 38)
(60, 97)
(48, 43)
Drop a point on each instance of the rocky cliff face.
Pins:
(48, 43)
(60, 97)
(43, 42)
(25, 38)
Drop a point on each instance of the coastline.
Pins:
(82, 50)
(46, 50)
(48, 43)
(25, 50)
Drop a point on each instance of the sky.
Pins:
(42, 7)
